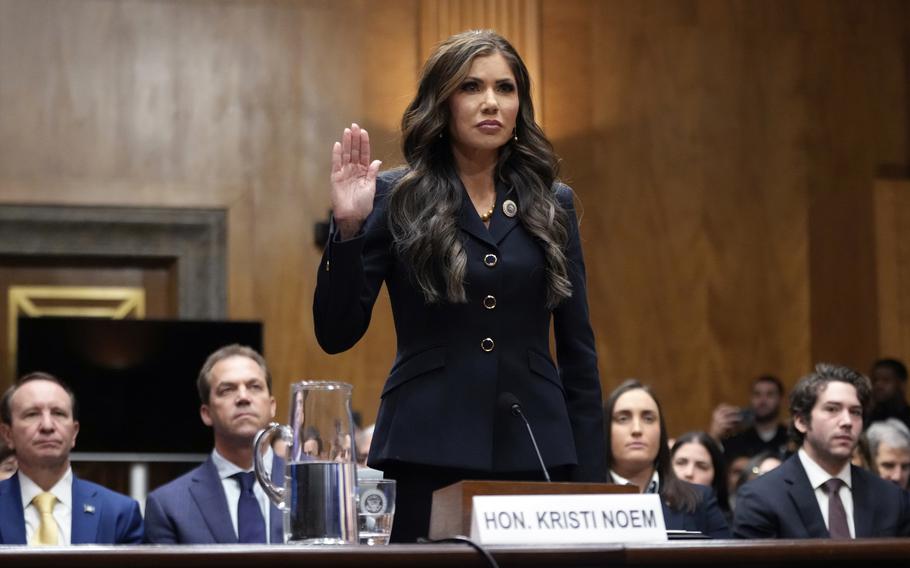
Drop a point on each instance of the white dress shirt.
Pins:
(818, 476)
(232, 487)
(653, 485)
(63, 508)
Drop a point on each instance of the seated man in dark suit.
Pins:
(220, 501)
(44, 503)
(817, 493)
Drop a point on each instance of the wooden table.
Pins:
(870, 553)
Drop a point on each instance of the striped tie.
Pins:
(47, 528)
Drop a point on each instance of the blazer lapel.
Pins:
(803, 497)
(276, 516)
(208, 494)
(86, 513)
(501, 224)
(470, 222)
(12, 517)
(862, 500)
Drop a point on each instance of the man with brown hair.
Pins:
(818, 493)
(44, 503)
(220, 501)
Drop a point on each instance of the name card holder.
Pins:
(453, 505)
(567, 519)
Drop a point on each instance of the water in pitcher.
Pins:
(321, 503)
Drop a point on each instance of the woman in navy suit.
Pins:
(478, 246)
(638, 454)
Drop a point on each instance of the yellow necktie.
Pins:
(47, 528)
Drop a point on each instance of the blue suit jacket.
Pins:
(782, 504)
(439, 403)
(192, 509)
(707, 518)
(100, 516)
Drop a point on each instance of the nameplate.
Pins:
(567, 519)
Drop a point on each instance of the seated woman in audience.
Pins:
(638, 454)
(698, 459)
(759, 465)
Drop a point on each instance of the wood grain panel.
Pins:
(694, 139)
(892, 262)
(856, 59)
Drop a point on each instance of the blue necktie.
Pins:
(250, 524)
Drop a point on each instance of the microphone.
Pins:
(510, 402)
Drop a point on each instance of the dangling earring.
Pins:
(515, 135)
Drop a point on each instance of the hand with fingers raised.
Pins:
(353, 180)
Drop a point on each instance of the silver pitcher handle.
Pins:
(275, 493)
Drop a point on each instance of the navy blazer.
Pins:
(193, 509)
(100, 516)
(782, 504)
(707, 518)
(439, 403)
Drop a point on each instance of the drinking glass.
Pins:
(376, 510)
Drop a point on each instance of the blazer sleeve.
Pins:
(715, 524)
(576, 357)
(129, 525)
(159, 529)
(350, 276)
(753, 517)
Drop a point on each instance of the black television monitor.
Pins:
(134, 380)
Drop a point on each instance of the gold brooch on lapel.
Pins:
(509, 208)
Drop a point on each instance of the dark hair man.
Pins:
(220, 501)
(754, 430)
(44, 503)
(817, 493)
(889, 383)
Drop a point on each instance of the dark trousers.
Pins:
(415, 485)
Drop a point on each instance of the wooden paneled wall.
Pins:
(892, 262)
(724, 153)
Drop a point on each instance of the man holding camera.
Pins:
(756, 429)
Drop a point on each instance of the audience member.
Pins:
(818, 493)
(747, 432)
(889, 382)
(756, 467)
(44, 503)
(638, 454)
(8, 464)
(889, 447)
(220, 501)
(697, 458)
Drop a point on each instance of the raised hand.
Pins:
(724, 420)
(353, 180)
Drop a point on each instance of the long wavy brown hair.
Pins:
(425, 202)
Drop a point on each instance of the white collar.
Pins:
(653, 485)
(62, 490)
(818, 476)
(227, 468)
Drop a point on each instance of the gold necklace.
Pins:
(485, 217)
